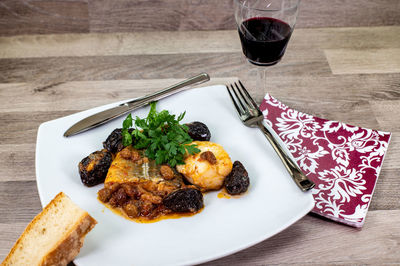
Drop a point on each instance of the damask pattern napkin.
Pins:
(344, 161)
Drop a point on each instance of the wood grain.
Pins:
(352, 96)
(386, 195)
(64, 16)
(18, 161)
(21, 196)
(10, 233)
(54, 70)
(346, 61)
(382, 111)
(171, 15)
(355, 43)
(31, 46)
(43, 16)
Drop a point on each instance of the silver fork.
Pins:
(251, 116)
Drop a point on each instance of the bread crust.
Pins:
(66, 248)
(69, 248)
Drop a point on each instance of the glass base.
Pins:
(263, 64)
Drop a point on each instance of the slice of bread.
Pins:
(54, 236)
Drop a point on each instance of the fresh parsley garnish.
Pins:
(161, 134)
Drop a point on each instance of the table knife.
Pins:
(114, 112)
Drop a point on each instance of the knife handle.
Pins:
(181, 86)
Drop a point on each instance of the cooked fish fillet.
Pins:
(126, 169)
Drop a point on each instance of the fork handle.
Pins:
(297, 175)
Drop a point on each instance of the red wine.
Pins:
(264, 40)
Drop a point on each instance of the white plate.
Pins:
(225, 226)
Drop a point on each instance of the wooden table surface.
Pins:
(342, 63)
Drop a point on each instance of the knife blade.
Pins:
(114, 112)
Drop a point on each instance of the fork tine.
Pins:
(243, 99)
(249, 99)
(239, 97)
(238, 106)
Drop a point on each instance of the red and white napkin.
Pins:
(344, 161)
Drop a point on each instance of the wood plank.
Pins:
(32, 46)
(46, 106)
(19, 201)
(19, 128)
(368, 61)
(62, 16)
(9, 233)
(291, 89)
(139, 43)
(387, 113)
(392, 157)
(129, 16)
(171, 15)
(330, 96)
(17, 161)
(80, 95)
(316, 241)
(386, 195)
(43, 16)
(345, 13)
(47, 71)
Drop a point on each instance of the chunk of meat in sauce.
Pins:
(146, 208)
(119, 198)
(130, 190)
(151, 198)
(104, 194)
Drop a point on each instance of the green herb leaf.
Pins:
(161, 134)
(127, 122)
(126, 137)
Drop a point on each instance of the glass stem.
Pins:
(261, 83)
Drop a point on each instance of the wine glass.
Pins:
(265, 27)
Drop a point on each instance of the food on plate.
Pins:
(139, 188)
(157, 169)
(93, 168)
(237, 182)
(54, 236)
(208, 168)
(198, 131)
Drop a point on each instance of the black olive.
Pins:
(113, 143)
(237, 182)
(93, 168)
(199, 131)
(184, 200)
